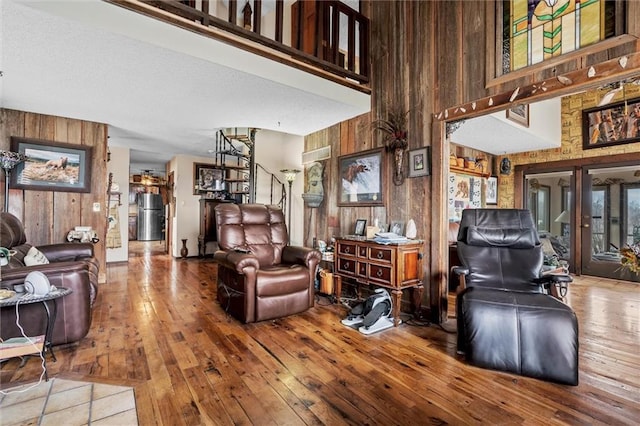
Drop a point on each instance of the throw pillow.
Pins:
(35, 257)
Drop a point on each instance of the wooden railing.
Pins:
(323, 42)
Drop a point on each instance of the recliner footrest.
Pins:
(530, 334)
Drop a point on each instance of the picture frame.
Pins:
(491, 194)
(519, 114)
(361, 178)
(613, 124)
(207, 178)
(361, 226)
(420, 162)
(51, 166)
(397, 227)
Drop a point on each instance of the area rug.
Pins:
(61, 402)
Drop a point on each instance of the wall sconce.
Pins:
(315, 191)
(290, 176)
(8, 160)
(505, 166)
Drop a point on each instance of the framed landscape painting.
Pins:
(51, 166)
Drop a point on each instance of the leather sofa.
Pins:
(507, 320)
(71, 265)
(260, 276)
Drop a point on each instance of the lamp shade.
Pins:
(563, 217)
(290, 174)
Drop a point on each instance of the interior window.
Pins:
(533, 31)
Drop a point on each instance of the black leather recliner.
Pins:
(506, 319)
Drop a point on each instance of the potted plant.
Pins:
(395, 128)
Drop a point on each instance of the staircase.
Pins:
(235, 154)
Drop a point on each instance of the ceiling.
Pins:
(162, 90)
(498, 135)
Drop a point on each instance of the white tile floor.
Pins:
(68, 402)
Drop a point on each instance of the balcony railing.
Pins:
(326, 35)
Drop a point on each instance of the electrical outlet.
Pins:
(96, 207)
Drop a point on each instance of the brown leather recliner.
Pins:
(260, 276)
(71, 265)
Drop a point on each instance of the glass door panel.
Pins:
(548, 198)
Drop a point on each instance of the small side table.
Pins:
(49, 302)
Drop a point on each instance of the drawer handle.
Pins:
(379, 273)
(380, 255)
(347, 249)
(345, 265)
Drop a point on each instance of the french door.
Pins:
(610, 219)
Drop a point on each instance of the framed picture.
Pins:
(361, 178)
(613, 124)
(51, 166)
(419, 162)
(207, 178)
(361, 226)
(397, 227)
(491, 196)
(519, 114)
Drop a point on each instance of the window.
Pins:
(533, 31)
(631, 211)
(599, 219)
(539, 205)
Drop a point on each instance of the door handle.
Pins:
(586, 225)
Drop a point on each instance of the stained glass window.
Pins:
(537, 30)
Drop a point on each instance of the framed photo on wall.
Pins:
(361, 178)
(613, 124)
(519, 114)
(51, 166)
(207, 178)
(419, 162)
(491, 196)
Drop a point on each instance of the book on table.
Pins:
(19, 346)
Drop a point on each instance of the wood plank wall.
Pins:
(49, 215)
(427, 56)
(396, 83)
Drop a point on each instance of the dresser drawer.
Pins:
(347, 248)
(380, 254)
(347, 266)
(380, 274)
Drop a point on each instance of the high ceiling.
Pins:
(162, 90)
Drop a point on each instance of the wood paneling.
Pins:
(49, 215)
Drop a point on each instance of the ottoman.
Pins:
(530, 334)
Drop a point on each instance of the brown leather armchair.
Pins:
(260, 276)
(71, 265)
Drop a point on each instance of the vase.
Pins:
(398, 175)
(184, 251)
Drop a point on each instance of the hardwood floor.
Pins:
(158, 327)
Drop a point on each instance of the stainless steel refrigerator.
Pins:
(150, 217)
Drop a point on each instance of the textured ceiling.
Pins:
(162, 90)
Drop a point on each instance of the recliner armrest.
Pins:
(67, 252)
(236, 260)
(300, 255)
(460, 270)
(554, 278)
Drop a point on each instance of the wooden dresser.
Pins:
(392, 266)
